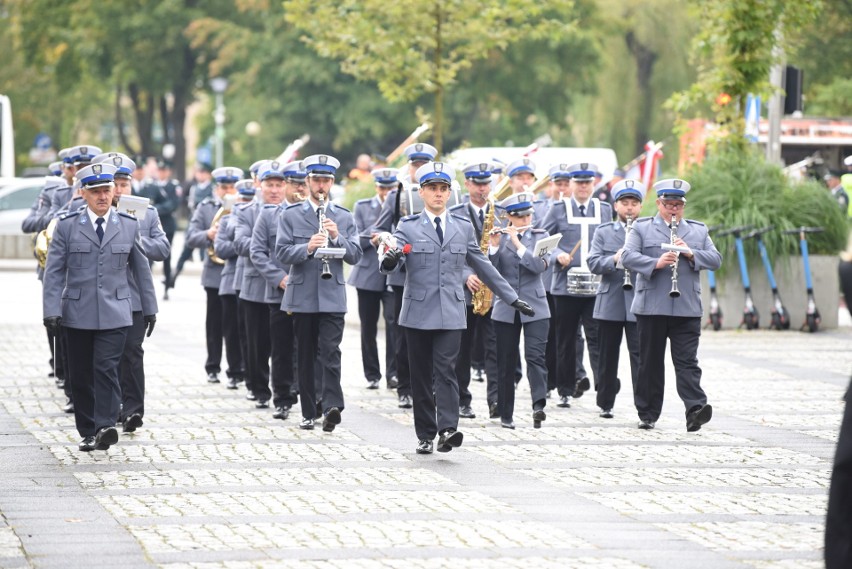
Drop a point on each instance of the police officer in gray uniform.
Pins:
(37, 218)
(87, 293)
(316, 290)
(615, 294)
(576, 218)
(273, 178)
(662, 313)
(202, 233)
(155, 247)
(511, 253)
(374, 294)
(435, 245)
(229, 284)
(75, 158)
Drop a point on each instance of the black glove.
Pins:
(391, 259)
(52, 323)
(150, 320)
(523, 308)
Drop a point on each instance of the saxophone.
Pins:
(228, 202)
(483, 297)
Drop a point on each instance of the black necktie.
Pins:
(100, 230)
(582, 211)
(481, 218)
(438, 229)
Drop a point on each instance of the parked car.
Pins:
(16, 197)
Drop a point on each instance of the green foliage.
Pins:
(740, 188)
(357, 190)
(833, 99)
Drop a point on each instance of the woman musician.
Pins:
(511, 253)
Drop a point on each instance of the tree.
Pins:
(409, 48)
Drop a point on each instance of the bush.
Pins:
(734, 189)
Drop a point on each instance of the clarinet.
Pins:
(674, 292)
(627, 285)
(326, 270)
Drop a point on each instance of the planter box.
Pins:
(789, 276)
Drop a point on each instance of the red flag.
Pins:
(650, 163)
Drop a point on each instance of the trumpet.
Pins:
(227, 203)
(674, 292)
(627, 284)
(326, 270)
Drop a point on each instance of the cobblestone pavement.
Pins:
(210, 482)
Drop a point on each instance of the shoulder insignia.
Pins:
(242, 206)
(269, 205)
(293, 205)
(365, 200)
(643, 219)
(694, 222)
(69, 215)
(127, 215)
(539, 201)
(457, 206)
(537, 231)
(460, 218)
(410, 217)
(607, 224)
(341, 207)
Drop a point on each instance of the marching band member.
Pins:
(477, 182)
(615, 294)
(274, 178)
(418, 154)
(521, 174)
(511, 253)
(202, 233)
(318, 304)
(576, 218)
(373, 291)
(433, 308)
(155, 246)
(664, 311)
(75, 158)
(87, 294)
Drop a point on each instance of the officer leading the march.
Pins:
(661, 314)
(87, 293)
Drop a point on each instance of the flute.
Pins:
(497, 230)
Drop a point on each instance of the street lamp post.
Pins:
(219, 84)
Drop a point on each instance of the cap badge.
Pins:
(418, 147)
(584, 166)
(483, 167)
(275, 165)
(628, 183)
(228, 172)
(84, 150)
(96, 168)
(563, 167)
(678, 184)
(439, 167)
(117, 160)
(323, 159)
(386, 174)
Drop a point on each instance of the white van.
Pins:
(544, 158)
(7, 139)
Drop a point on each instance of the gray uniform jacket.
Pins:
(433, 298)
(365, 275)
(547, 275)
(556, 221)
(224, 247)
(464, 210)
(262, 252)
(59, 199)
(385, 223)
(37, 219)
(86, 281)
(643, 249)
(253, 285)
(612, 302)
(156, 247)
(523, 274)
(306, 291)
(196, 237)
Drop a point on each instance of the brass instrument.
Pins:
(483, 297)
(627, 284)
(42, 242)
(228, 202)
(538, 185)
(674, 292)
(326, 270)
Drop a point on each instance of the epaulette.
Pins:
(643, 219)
(460, 218)
(127, 215)
(608, 223)
(292, 205)
(208, 200)
(69, 215)
(694, 222)
(341, 207)
(151, 207)
(270, 205)
(537, 231)
(410, 217)
(457, 206)
(539, 201)
(365, 200)
(242, 206)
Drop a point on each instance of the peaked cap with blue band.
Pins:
(672, 189)
(519, 204)
(253, 168)
(82, 154)
(295, 171)
(519, 166)
(55, 168)
(560, 171)
(246, 187)
(386, 177)
(96, 175)
(321, 165)
(227, 175)
(435, 172)
(583, 171)
(420, 151)
(479, 172)
(269, 169)
(629, 189)
(124, 166)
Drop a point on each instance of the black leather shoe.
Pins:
(251, 396)
(450, 440)
(87, 444)
(583, 385)
(646, 425)
(319, 407)
(478, 375)
(132, 423)
(306, 424)
(282, 413)
(105, 438)
(331, 419)
(233, 383)
(372, 384)
(60, 383)
(564, 402)
(405, 402)
(493, 412)
(212, 377)
(697, 416)
(538, 417)
(393, 383)
(606, 413)
(508, 424)
(262, 404)
(466, 412)
(69, 406)
(424, 447)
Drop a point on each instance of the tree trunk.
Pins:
(164, 120)
(119, 125)
(143, 110)
(645, 60)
